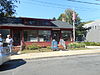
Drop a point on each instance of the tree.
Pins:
(54, 18)
(7, 8)
(62, 17)
(69, 13)
(80, 32)
(67, 16)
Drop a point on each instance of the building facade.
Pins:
(32, 30)
(93, 34)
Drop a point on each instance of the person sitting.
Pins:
(62, 44)
(54, 45)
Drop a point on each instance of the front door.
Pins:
(56, 35)
(17, 37)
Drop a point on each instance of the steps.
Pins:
(16, 48)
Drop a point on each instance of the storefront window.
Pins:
(30, 35)
(66, 35)
(4, 33)
(44, 35)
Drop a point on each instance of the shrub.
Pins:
(98, 44)
(82, 45)
(32, 47)
(92, 43)
(48, 47)
(87, 43)
(76, 45)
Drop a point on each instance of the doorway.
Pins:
(56, 35)
(17, 37)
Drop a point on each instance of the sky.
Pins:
(47, 9)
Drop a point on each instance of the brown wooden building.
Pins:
(32, 30)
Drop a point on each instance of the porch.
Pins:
(40, 31)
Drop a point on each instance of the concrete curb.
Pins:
(54, 54)
(93, 47)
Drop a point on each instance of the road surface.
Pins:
(70, 65)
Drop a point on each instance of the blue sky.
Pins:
(53, 8)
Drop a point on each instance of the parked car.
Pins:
(4, 54)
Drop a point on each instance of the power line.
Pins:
(53, 5)
(60, 5)
(39, 4)
(48, 3)
(84, 2)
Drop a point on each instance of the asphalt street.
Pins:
(70, 65)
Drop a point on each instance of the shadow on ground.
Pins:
(12, 64)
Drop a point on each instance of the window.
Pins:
(46, 23)
(37, 35)
(4, 33)
(66, 35)
(32, 22)
(44, 35)
(30, 35)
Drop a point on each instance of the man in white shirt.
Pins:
(9, 41)
(1, 44)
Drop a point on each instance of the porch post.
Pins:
(22, 40)
(11, 32)
(60, 36)
(22, 36)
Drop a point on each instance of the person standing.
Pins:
(0, 38)
(62, 43)
(1, 43)
(9, 41)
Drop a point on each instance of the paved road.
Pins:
(71, 65)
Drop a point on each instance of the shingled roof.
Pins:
(61, 24)
(18, 22)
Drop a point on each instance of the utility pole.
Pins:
(73, 18)
(74, 30)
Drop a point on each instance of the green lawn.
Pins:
(36, 51)
(81, 49)
(49, 50)
(78, 48)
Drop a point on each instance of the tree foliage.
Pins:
(69, 13)
(7, 8)
(62, 17)
(54, 18)
(67, 17)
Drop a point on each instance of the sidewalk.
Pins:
(54, 54)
